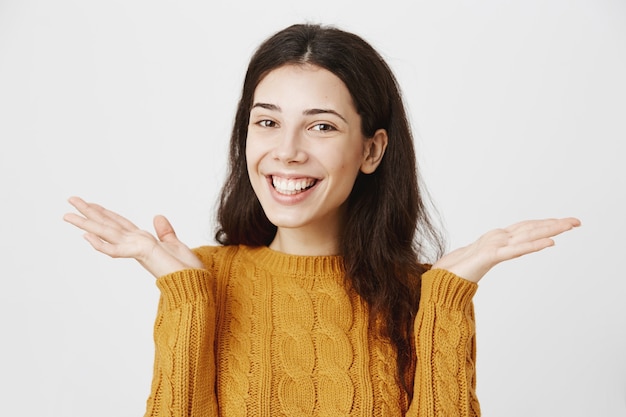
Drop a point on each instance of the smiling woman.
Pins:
(319, 300)
(304, 151)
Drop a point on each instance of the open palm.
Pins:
(472, 262)
(115, 236)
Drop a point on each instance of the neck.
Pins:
(308, 243)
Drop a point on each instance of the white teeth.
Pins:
(292, 186)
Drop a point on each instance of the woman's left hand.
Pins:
(473, 261)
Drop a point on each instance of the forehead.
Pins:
(297, 85)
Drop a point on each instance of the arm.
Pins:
(184, 366)
(445, 377)
(183, 382)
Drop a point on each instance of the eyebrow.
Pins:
(308, 112)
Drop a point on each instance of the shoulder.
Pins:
(212, 256)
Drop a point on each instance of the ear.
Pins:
(373, 151)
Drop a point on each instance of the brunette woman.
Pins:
(319, 299)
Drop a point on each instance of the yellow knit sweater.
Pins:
(261, 333)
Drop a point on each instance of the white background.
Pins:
(519, 111)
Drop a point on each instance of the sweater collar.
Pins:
(283, 263)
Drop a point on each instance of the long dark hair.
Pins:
(387, 229)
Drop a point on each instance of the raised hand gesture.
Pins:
(473, 261)
(114, 235)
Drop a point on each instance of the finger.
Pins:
(101, 246)
(91, 211)
(74, 219)
(119, 219)
(83, 207)
(515, 251)
(529, 224)
(101, 230)
(100, 214)
(164, 230)
(539, 229)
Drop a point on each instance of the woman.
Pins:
(319, 300)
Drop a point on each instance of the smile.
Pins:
(291, 186)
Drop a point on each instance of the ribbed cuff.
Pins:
(183, 287)
(444, 288)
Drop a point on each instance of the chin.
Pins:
(286, 222)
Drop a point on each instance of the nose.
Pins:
(289, 148)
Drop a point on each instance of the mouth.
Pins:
(292, 186)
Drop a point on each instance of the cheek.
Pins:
(348, 161)
(254, 157)
(252, 154)
(252, 168)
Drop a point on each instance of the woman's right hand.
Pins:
(114, 235)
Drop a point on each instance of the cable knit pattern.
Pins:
(261, 333)
(293, 324)
(387, 390)
(184, 348)
(236, 348)
(447, 339)
(334, 350)
(444, 338)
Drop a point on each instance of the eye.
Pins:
(323, 127)
(266, 123)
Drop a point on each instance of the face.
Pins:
(304, 148)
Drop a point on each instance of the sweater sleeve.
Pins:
(445, 376)
(183, 383)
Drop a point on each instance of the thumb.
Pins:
(164, 230)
